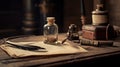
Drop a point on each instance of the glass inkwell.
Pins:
(50, 31)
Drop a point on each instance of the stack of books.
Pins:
(96, 35)
(100, 32)
(94, 32)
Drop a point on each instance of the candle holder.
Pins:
(83, 13)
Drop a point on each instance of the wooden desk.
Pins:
(75, 59)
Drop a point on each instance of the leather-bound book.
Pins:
(94, 32)
(98, 43)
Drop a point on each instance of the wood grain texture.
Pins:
(94, 52)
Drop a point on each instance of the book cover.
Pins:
(93, 27)
(94, 32)
(94, 35)
(89, 42)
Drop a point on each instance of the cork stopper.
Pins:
(50, 20)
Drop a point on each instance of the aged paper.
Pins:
(51, 50)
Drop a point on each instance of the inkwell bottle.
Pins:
(100, 16)
(50, 31)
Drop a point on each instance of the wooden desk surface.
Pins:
(93, 52)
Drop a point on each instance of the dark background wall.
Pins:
(72, 12)
(10, 16)
(113, 7)
(65, 11)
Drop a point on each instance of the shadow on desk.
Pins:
(113, 60)
(108, 61)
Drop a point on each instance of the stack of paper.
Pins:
(65, 48)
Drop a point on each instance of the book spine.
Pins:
(97, 35)
(88, 34)
(89, 42)
(88, 27)
(84, 41)
(93, 27)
